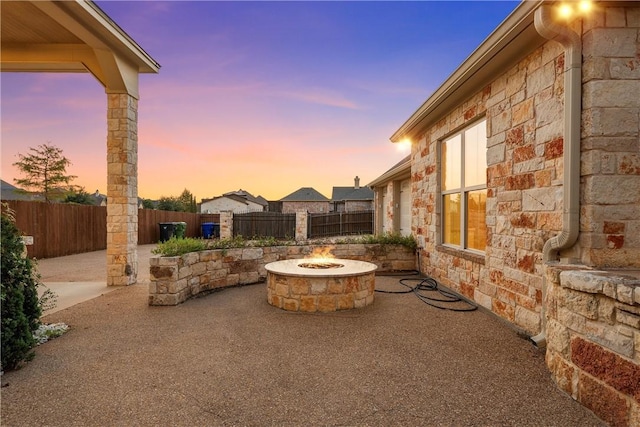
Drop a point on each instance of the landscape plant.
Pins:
(21, 308)
(177, 246)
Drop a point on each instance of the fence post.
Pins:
(226, 224)
(301, 225)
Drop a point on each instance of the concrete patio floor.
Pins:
(229, 358)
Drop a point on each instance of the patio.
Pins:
(230, 358)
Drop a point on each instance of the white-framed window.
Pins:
(463, 162)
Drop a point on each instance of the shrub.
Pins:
(20, 306)
(179, 246)
(391, 239)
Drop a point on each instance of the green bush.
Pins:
(391, 239)
(179, 246)
(21, 309)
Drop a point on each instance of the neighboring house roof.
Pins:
(403, 167)
(341, 194)
(11, 192)
(305, 194)
(99, 199)
(506, 45)
(248, 197)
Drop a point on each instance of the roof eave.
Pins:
(510, 41)
(401, 171)
(123, 42)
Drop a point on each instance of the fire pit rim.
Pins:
(290, 267)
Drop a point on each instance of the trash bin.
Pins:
(216, 230)
(171, 229)
(166, 230)
(207, 230)
(180, 229)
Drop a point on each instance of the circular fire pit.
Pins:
(324, 285)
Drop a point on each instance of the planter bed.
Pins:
(176, 279)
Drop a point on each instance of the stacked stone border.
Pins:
(593, 340)
(176, 279)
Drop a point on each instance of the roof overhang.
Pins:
(400, 171)
(71, 36)
(514, 38)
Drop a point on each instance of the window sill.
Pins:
(461, 253)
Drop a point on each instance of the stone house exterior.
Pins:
(525, 183)
(392, 199)
(305, 199)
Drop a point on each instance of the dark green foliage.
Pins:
(170, 204)
(79, 197)
(186, 202)
(175, 246)
(391, 239)
(20, 306)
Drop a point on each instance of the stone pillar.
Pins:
(379, 210)
(301, 225)
(226, 224)
(122, 189)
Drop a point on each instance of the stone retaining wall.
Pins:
(593, 340)
(176, 279)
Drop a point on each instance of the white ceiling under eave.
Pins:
(70, 36)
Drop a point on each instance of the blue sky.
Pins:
(264, 96)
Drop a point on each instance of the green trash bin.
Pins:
(172, 229)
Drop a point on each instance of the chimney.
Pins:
(357, 183)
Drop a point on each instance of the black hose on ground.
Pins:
(424, 288)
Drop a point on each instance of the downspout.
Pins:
(572, 43)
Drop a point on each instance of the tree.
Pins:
(188, 201)
(170, 204)
(148, 204)
(45, 170)
(79, 197)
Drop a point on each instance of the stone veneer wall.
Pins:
(610, 171)
(523, 110)
(593, 340)
(176, 279)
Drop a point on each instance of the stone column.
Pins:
(301, 225)
(122, 189)
(226, 224)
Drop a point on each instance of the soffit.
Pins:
(24, 23)
(67, 36)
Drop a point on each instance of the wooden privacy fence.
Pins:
(60, 229)
(149, 230)
(340, 223)
(265, 224)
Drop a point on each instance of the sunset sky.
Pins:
(264, 96)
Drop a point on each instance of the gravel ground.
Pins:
(229, 359)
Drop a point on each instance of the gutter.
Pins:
(572, 43)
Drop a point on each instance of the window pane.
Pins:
(451, 160)
(476, 222)
(475, 153)
(451, 214)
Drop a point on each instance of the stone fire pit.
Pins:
(324, 285)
